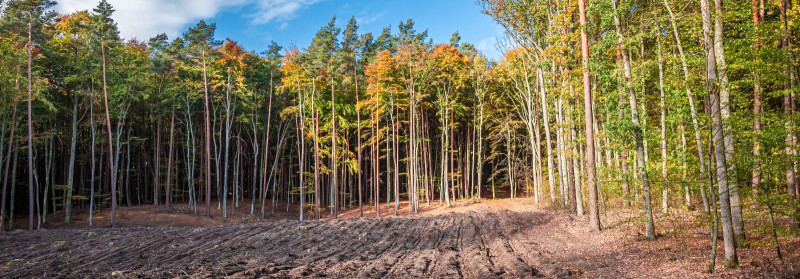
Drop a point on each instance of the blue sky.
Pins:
(294, 22)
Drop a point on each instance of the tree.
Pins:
(718, 138)
(200, 40)
(594, 215)
(35, 15)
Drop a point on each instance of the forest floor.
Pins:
(494, 238)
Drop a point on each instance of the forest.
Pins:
(652, 109)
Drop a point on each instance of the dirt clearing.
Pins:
(503, 239)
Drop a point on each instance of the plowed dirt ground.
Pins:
(494, 239)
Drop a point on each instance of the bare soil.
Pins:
(492, 239)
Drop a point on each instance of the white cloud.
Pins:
(143, 19)
(488, 46)
(283, 25)
(269, 10)
(367, 20)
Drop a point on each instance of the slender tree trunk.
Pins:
(550, 165)
(169, 157)
(13, 187)
(692, 108)
(480, 151)
(637, 132)
(570, 156)
(91, 181)
(333, 155)
(317, 198)
(594, 213)
(718, 138)
(207, 138)
(228, 123)
(113, 175)
(3, 173)
(665, 191)
(577, 171)
(157, 164)
(301, 153)
(725, 111)
(266, 147)
(786, 42)
(71, 171)
(30, 134)
(9, 161)
(756, 181)
(359, 173)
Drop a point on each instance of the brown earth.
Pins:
(492, 239)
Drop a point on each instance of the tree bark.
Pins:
(718, 139)
(169, 157)
(665, 191)
(756, 181)
(30, 134)
(9, 161)
(725, 113)
(207, 137)
(594, 213)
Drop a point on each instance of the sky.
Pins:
(254, 23)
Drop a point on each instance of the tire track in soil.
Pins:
(476, 256)
(446, 265)
(503, 250)
(347, 254)
(356, 261)
(236, 260)
(220, 255)
(488, 243)
(295, 257)
(407, 248)
(114, 254)
(421, 255)
(315, 254)
(385, 262)
(372, 268)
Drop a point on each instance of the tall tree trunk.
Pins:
(718, 139)
(207, 137)
(637, 131)
(9, 160)
(157, 164)
(317, 198)
(725, 111)
(228, 120)
(550, 165)
(665, 191)
(91, 181)
(594, 212)
(71, 171)
(359, 172)
(30, 134)
(756, 181)
(335, 191)
(113, 175)
(266, 147)
(169, 157)
(13, 187)
(577, 171)
(786, 42)
(623, 157)
(690, 97)
(301, 153)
